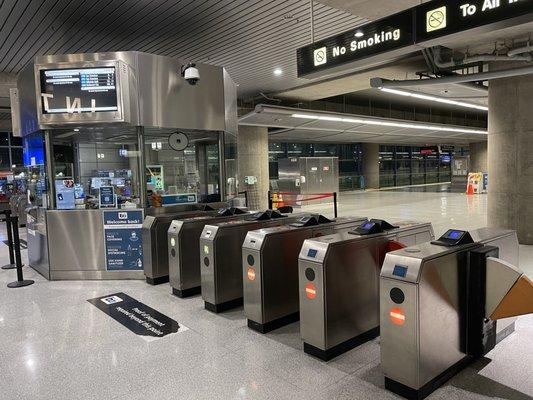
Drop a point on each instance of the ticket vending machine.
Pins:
(270, 268)
(446, 303)
(339, 284)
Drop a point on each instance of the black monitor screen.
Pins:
(78, 90)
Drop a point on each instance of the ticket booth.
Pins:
(108, 139)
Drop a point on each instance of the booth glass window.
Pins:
(176, 175)
(95, 169)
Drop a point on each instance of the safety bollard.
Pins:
(11, 264)
(20, 282)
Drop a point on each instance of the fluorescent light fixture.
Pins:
(394, 124)
(436, 99)
(359, 34)
(278, 72)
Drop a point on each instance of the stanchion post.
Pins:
(11, 264)
(335, 204)
(20, 282)
(270, 205)
(246, 198)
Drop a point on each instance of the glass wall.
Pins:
(349, 159)
(407, 165)
(10, 151)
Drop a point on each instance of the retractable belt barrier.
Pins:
(14, 247)
(11, 264)
(279, 199)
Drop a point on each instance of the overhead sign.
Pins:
(430, 21)
(436, 19)
(123, 240)
(137, 317)
(387, 34)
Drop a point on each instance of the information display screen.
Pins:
(79, 90)
(454, 235)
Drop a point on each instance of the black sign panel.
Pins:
(444, 17)
(136, 316)
(78, 90)
(387, 34)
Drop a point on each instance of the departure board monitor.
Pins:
(79, 90)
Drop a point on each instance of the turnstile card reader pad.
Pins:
(454, 237)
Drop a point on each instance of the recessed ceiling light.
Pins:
(76, 130)
(359, 34)
(278, 72)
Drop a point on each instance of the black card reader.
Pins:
(372, 227)
(454, 237)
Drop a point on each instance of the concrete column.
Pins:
(510, 156)
(478, 157)
(370, 168)
(252, 160)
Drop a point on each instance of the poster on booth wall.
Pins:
(65, 194)
(123, 240)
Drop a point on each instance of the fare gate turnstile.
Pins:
(270, 269)
(440, 303)
(183, 257)
(339, 284)
(154, 235)
(221, 262)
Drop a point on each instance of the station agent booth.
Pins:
(106, 137)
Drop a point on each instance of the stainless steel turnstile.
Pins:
(270, 269)
(440, 302)
(339, 284)
(183, 257)
(154, 235)
(220, 255)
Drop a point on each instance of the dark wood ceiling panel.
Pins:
(249, 37)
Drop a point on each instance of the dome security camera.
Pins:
(190, 73)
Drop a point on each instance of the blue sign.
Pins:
(65, 194)
(107, 197)
(123, 240)
(170, 199)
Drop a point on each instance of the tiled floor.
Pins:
(55, 345)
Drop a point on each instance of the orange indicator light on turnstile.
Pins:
(251, 274)
(397, 316)
(310, 291)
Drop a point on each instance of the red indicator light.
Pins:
(251, 274)
(310, 291)
(397, 316)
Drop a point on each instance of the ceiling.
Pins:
(250, 38)
(318, 126)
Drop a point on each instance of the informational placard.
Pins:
(139, 318)
(440, 18)
(78, 90)
(384, 35)
(65, 194)
(183, 198)
(107, 198)
(123, 240)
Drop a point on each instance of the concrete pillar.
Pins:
(510, 159)
(370, 167)
(478, 157)
(252, 161)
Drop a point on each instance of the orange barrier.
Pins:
(283, 199)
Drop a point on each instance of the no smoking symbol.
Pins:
(320, 56)
(436, 19)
